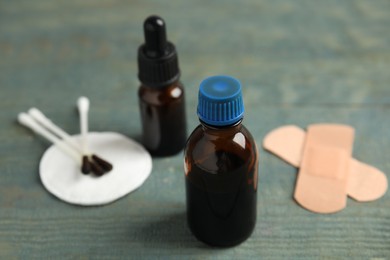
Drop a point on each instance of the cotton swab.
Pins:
(83, 107)
(46, 122)
(42, 125)
(84, 103)
(27, 121)
(86, 165)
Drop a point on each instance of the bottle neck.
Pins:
(166, 86)
(218, 129)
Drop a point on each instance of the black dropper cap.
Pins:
(158, 64)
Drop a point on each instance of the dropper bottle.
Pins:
(161, 95)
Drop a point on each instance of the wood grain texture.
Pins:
(300, 62)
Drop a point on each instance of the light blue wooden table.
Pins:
(300, 62)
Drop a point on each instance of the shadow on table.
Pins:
(169, 231)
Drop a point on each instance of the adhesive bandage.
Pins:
(323, 159)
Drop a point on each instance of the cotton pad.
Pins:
(61, 175)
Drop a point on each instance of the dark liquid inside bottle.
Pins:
(221, 187)
(161, 95)
(163, 119)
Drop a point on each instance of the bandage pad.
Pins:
(365, 182)
(322, 179)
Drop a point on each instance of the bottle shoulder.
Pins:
(208, 148)
(163, 95)
(219, 137)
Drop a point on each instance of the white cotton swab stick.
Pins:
(83, 107)
(46, 122)
(27, 121)
(101, 165)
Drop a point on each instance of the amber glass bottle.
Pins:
(161, 95)
(221, 164)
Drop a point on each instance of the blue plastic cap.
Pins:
(220, 101)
